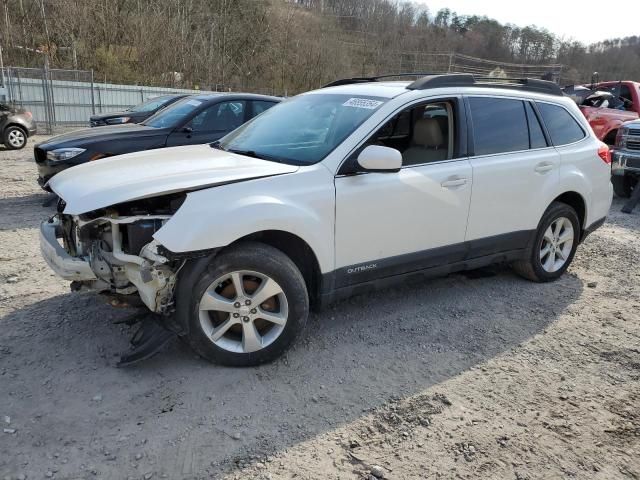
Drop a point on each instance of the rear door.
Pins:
(514, 170)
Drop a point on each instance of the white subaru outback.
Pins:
(337, 191)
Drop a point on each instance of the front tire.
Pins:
(248, 306)
(623, 185)
(556, 240)
(15, 138)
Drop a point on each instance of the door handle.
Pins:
(544, 167)
(454, 182)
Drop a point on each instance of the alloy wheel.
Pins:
(243, 311)
(557, 243)
(16, 138)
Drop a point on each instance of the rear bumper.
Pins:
(63, 264)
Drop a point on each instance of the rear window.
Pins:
(562, 127)
(499, 125)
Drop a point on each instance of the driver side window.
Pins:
(422, 134)
(221, 117)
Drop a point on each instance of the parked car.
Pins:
(339, 191)
(135, 114)
(607, 105)
(192, 120)
(16, 126)
(625, 169)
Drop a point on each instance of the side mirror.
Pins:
(187, 129)
(376, 158)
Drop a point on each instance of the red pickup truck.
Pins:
(604, 120)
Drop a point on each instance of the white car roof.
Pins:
(392, 89)
(373, 89)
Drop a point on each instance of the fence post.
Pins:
(450, 62)
(93, 100)
(45, 102)
(141, 95)
(9, 87)
(52, 100)
(20, 88)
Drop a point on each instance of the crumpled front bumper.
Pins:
(65, 266)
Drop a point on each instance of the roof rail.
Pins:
(469, 80)
(440, 80)
(349, 81)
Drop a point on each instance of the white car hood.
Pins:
(133, 176)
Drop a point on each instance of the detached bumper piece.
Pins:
(149, 339)
(66, 266)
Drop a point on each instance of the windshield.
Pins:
(173, 114)
(151, 104)
(303, 130)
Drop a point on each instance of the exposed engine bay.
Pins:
(117, 242)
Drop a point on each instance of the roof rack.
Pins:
(469, 80)
(435, 80)
(349, 81)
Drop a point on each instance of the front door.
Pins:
(210, 124)
(399, 222)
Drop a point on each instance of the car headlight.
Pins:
(117, 120)
(61, 154)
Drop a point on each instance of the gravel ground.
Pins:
(482, 375)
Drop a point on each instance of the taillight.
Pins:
(604, 153)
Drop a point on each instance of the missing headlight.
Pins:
(138, 234)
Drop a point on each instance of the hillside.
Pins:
(281, 46)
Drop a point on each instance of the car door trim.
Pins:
(457, 254)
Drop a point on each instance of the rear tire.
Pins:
(556, 240)
(248, 306)
(15, 138)
(623, 185)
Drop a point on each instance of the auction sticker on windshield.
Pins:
(195, 103)
(362, 103)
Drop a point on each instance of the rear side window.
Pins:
(499, 125)
(562, 127)
(536, 136)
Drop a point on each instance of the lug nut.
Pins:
(236, 315)
(254, 311)
(245, 319)
(247, 302)
(237, 304)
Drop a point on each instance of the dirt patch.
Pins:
(481, 375)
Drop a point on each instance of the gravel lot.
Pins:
(482, 375)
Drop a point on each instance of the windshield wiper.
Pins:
(253, 154)
(216, 144)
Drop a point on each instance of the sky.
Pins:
(571, 19)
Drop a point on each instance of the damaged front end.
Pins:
(112, 250)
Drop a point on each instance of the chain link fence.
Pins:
(67, 98)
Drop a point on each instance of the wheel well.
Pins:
(574, 200)
(21, 127)
(298, 251)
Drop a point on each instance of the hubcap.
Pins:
(243, 311)
(556, 244)
(16, 138)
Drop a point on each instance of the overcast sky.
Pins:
(579, 20)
